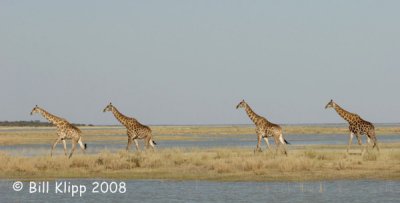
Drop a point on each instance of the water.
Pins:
(205, 142)
(204, 191)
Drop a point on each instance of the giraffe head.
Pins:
(331, 104)
(35, 110)
(108, 107)
(242, 104)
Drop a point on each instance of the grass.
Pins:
(315, 162)
(218, 164)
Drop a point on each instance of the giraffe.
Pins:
(65, 130)
(135, 130)
(264, 129)
(357, 126)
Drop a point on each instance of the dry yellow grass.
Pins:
(228, 164)
(222, 164)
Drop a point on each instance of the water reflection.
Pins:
(204, 191)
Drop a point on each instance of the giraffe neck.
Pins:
(120, 117)
(349, 117)
(252, 115)
(50, 117)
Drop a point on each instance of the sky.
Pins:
(191, 62)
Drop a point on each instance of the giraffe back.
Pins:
(68, 131)
(361, 126)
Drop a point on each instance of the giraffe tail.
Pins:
(83, 145)
(286, 142)
(154, 142)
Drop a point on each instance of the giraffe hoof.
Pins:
(257, 150)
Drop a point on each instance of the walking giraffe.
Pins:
(264, 128)
(135, 130)
(65, 130)
(357, 126)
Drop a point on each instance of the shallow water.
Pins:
(204, 191)
(205, 142)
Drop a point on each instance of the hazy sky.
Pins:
(191, 62)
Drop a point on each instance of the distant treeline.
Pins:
(35, 123)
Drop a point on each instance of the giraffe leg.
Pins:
(375, 144)
(277, 143)
(73, 148)
(147, 141)
(350, 141)
(151, 143)
(128, 146)
(82, 145)
(267, 142)
(282, 141)
(359, 139)
(65, 146)
(258, 149)
(136, 144)
(54, 145)
(368, 143)
(373, 137)
(363, 148)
